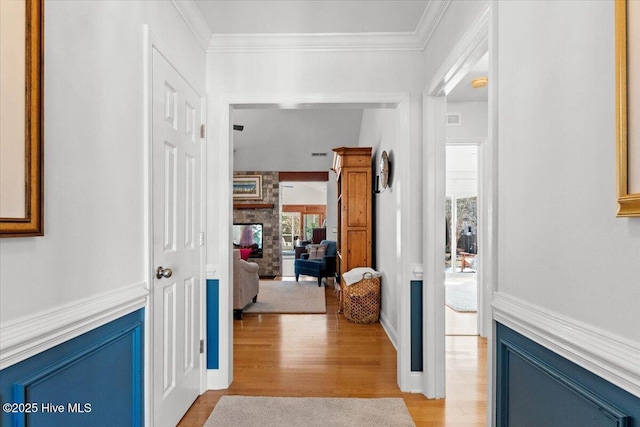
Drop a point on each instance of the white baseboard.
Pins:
(216, 380)
(613, 358)
(389, 329)
(415, 385)
(33, 334)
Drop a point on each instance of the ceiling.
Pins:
(233, 23)
(286, 139)
(463, 92)
(312, 16)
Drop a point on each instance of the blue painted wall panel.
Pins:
(213, 324)
(95, 379)
(416, 326)
(537, 387)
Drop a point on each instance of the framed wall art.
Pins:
(628, 106)
(21, 122)
(247, 187)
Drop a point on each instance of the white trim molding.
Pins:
(211, 272)
(464, 56)
(194, 20)
(216, 380)
(316, 42)
(389, 329)
(473, 44)
(416, 382)
(350, 42)
(222, 169)
(30, 335)
(334, 42)
(611, 357)
(430, 20)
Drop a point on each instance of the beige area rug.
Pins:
(309, 412)
(289, 297)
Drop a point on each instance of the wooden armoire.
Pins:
(352, 166)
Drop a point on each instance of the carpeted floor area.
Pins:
(249, 411)
(289, 297)
(462, 296)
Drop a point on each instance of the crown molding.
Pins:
(329, 42)
(430, 20)
(335, 42)
(611, 357)
(473, 45)
(194, 20)
(408, 41)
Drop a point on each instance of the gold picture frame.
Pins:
(628, 106)
(23, 215)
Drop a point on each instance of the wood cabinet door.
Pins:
(357, 199)
(358, 249)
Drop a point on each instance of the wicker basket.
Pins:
(361, 301)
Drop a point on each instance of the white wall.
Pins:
(475, 120)
(94, 162)
(303, 193)
(284, 140)
(561, 246)
(462, 161)
(332, 207)
(290, 73)
(462, 171)
(379, 127)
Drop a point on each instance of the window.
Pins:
(290, 229)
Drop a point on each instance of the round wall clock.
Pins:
(384, 169)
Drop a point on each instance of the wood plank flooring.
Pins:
(327, 356)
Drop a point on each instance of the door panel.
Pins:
(176, 160)
(169, 339)
(357, 255)
(356, 198)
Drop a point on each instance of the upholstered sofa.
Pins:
(245, 283)
(324, 266)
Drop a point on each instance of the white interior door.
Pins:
(176, 152)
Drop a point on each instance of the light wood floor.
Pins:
(327, 356)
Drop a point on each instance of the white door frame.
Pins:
(473, 45)
(151, 42)
(223, 167)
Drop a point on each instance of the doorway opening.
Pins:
(446, 124)
(303, 219)
(232, 110)
(461, 252)
(467, 112)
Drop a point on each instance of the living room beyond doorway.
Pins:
(303, 206)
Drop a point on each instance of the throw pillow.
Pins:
(317, 251)
(245, 253)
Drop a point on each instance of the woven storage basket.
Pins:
(362, 300)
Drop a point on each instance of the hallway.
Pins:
(327, 356)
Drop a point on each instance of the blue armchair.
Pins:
(323, 267)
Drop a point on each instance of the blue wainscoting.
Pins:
(95, 379)
(213, 324)
(416, 326)
(537, 387)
